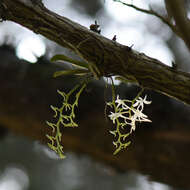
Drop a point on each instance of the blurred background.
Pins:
(158, 158)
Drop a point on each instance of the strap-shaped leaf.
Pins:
(61, 57)
(71, 72)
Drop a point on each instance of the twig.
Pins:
(154, 13)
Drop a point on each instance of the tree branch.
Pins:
(110, 57)
(177, 10)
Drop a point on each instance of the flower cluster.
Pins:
(125, 114)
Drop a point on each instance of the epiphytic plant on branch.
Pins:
(124, 113)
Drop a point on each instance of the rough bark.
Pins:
(159, 150)
(111, 58)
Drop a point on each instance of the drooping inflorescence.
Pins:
(65, 117)
(124, 115)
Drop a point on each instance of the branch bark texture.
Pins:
(111, 58)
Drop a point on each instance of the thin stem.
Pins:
(113, 91)
(154, 13)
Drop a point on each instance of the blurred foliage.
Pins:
(36, 168)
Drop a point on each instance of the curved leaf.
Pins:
(61, 57)
(70, 72)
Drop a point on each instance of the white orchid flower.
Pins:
(122, 103)
(139, 103)
(114, 116)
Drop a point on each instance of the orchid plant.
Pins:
(124, 115)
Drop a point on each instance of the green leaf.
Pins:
(61, 57)
(71, 72)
